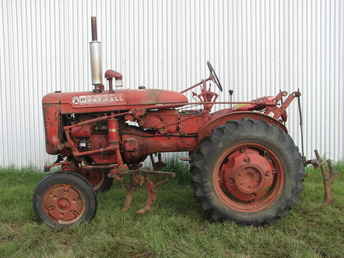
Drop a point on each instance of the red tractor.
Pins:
(245, 167)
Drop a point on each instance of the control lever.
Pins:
(231, 96)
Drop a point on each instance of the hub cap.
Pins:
(63, 203)
(248, 177)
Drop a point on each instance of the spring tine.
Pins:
(301, 123)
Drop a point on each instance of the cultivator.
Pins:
(139, 178)
(244, 165)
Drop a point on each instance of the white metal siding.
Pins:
(257, 48)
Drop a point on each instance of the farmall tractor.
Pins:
(245, 167)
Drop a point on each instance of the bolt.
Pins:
(51, 208)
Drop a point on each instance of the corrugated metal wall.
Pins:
(257, 48)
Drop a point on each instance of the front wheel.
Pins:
(247, 171)
(98, 179)
(64, 199)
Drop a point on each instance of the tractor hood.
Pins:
(125, 97)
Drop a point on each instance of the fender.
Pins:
(221, 119)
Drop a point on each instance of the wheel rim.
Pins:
(249, 177)
(64, 203)
(95, 178)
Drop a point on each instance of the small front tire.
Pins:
(64, 199)
(98, 179)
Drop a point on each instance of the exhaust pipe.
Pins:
(96, 58)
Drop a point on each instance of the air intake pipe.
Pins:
(96, 58)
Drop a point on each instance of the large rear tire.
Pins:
(247, 171)
(63, 199)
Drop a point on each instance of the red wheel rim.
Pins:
(248, 177)
(63, 203)
(95, 178)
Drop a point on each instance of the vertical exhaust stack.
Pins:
(96, 58)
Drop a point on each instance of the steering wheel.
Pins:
(214, 76)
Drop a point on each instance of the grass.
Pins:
(174, 228)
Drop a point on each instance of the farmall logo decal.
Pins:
(97, 99)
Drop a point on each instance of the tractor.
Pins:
(244, 165)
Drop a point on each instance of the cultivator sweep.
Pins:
(244, 165)
(139, 178)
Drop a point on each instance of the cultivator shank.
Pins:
(142, 177)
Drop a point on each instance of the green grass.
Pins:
(174, 228)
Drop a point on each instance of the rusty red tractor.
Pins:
(245, 167)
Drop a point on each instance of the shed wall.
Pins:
(257, 48)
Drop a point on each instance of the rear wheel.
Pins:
(64, 199)
(247, 171)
